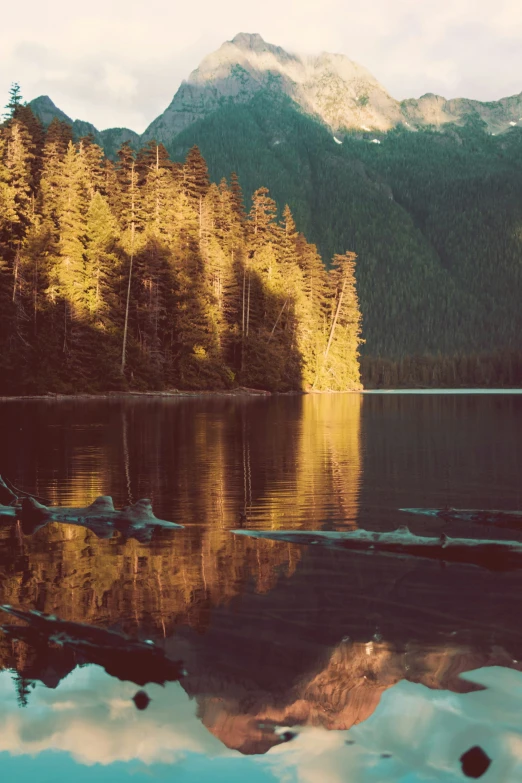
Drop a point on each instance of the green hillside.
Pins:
(435, 217)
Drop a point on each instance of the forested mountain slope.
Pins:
(427, 192)
(435, 218)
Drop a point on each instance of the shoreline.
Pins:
(244, 392)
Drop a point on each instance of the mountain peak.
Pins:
(46, 110)
(249, 41)
(253, 45)
(330, 87)
(44, 101)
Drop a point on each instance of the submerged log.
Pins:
(493, 555)
(502, 519)
(136, 521)
(119, 654)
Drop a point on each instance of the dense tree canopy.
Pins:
(434, 216)
(141, 273)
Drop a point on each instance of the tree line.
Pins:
(141, 273)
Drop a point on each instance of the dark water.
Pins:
(335, 646)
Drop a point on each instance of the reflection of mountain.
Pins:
(310, 652)
(344, 693)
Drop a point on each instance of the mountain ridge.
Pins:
(329, 87)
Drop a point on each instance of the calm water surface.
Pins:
(359, 656)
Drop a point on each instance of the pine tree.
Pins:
(262, 219)
(15, 100)
(102, 263)
(36, 138)
(196, 181)
(8, 213)
(195, 175)
(18, 157)
(237, 200)
(93, 162)
(339, 368)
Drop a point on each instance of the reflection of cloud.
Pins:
(418, 735)
(91, 716)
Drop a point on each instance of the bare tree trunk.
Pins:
(35, 293)
(15, 274)
(243, 305)
(126, 326)
(248, 305)
(277, 320)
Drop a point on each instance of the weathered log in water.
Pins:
(119, 654)
(502, 519)
(136, 521)
(493, 555)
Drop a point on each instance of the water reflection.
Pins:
(296, 459)
(271, 634)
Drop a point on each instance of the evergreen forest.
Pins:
(435, 217)
(140, 273)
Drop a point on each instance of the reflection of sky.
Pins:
(51, 767)
(88, 729)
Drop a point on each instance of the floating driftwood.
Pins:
(494, 555)
(136, 521)
(119, 654)
(502, 519)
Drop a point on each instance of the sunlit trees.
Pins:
(144, 274)
(339, 366)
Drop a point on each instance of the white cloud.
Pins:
(120, 63)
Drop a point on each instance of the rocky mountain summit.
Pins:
(331, 88)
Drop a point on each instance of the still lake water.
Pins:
(360, 656)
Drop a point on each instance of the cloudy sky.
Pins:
(119, 62)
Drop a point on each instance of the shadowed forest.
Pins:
(142, 274)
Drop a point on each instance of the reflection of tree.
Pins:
(68, 571)
(285, 462)
(23, 688)
(282, 462)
